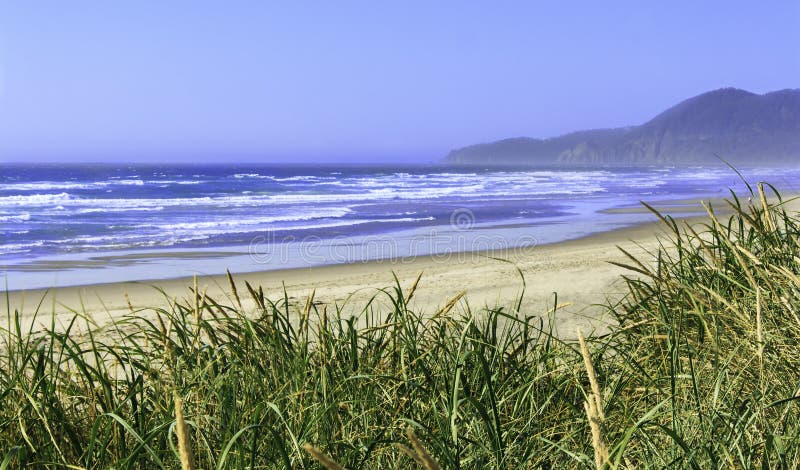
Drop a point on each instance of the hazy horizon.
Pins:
(360, 83)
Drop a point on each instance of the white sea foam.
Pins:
(179, 234)
(371, 191)
(295, 227)
(14, 248)
(43, 186)
(33, 200)
(15, 217)
(67, 200)
(248, 175)
(168, 182)
(67, 185)
(373, 187)
(101, 210)
(240, 222)
(303, 178)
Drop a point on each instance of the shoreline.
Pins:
(75, 270)
(577, 269)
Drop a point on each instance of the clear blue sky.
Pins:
(362, 81)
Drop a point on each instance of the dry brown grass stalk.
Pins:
(412, 290)
(419, 454)
(307, 312)
(594, 408)
(128, 301)
(759, 330)
(196, 302)
(450, 304)
(234, 291)
(765, 207)
(184, 445)
(322, 458)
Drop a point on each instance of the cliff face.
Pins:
(739, 126)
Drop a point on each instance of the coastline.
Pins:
(577, 269)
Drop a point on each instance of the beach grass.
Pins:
(702, 370)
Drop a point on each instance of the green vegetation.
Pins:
(703, 371)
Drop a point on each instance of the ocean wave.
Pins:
(17, 248)
(34, 199)
(482, 188)
(249, 175)
(357, 189)
(67, 185)
(60, 186)
(239, 222)
(203, 232)
(43, 186)
(466, 181)
(320, 225)
(304, 178)
(168, 182)
(15, 217)
(102, 210)
(645, 183)
(67, 200)
(335, 224)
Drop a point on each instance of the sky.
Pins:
(372, 81)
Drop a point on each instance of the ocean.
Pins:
(73, 224)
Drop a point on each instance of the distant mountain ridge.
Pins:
(742, 127)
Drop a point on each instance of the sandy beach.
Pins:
(578, 270)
